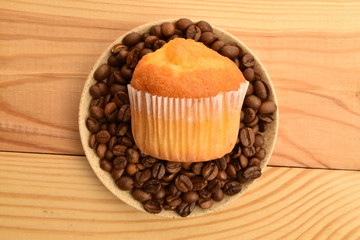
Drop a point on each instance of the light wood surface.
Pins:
(311, 50)
(55, 197)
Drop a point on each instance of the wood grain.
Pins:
(310, 48)
(52, 196)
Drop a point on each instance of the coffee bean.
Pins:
(102, 72)
(222, 176)
(122, 56)
(167, 29)
(198, 183)
(209, 171)
(186, 165)
(190, 197)
(254, 162)
(148, 162)
(111, 111)
(126, 72)
(103, 136)
(267, 118)
(259, 140)
(236, 163)
(158, 170)
(249, 115)
(183, 183)
(187, 173)
(97, 102)
(267, 107)
(113, 62)
(217, 45)
(204, 194)
(125, 183)
(262, 126)
(221, 163)
(158, 44)
(152, 206)
(253, 123)
(236, 152)
(231, 171)
(92, 141)
(173, 167)
(143, 176)
(237, 62)
(168, 177)
(101, 150)
(152, 186)
(250, 90)
(156, 30)
(183, 23)
(97, 112)
(117, 48)
(116, 173)
(120, 162)
(144, 52)
(256, 129)
(232, 188)
(92, 125)
(252, 101)
(131, 169)
(144, 36)
(214, 185)
(196, 168)
(204, 26)
(249, 74)
(261, 89)
(140, 46)
(248, 61)
(206, 204)
(207, 38)
(140, 195)
(184, 209)
(109, 155)
(173, 202)
(121, 129)
(193, 32)
(243, 161)
(257, 73)
(173, 37)
(124, 114)
(218, 195)
(229, 51)
(119, 150)
(150, 40)
(132, 39)
(261, 154)
(132, 58)
(252, 172)
(173, 190)
(117, 88)
(249, 151)
(106, 165)
(95, 91)
(132, 155)
(247, 136)
(160, 194)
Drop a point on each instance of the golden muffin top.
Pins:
(183, 68)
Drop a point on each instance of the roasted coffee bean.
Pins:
(209, 171)
(101, 150)
(95, 91)
(267, 118)
(207, 38)
(249, 74)
(253, 123)
(222, 176)
(236, 163)
(256, 129)
(143, 176)
(117, 48)
(186, 165)
(232, 188)
(144, 36)
(205, 204)
(126, 72)
(168, 177)
(106, 165)
(150, 40)
(97, 112)
(124, 114)
(187, 173)
(92, 141)
(252, 101)
(231, 171)
(221, 163)
(173, 201)
(144, 52)
(103, 136)
(267, 107)
(243, 161)
(204, 26)
(196, 168)
(103, 126)
(184, 209)
(120, 162)
(259, 140)
(167, 29)
(158, 170)
(121, 129)
(173, 167)
(183, 183)
(102, 72)
(261, 154)
(119, 150)
(148, 162)
(97, 102)
(236, 152)
(116, 173)
(111, 111)
(254, 162)
(92, 125)
(250, 90)
(132, 155)
(214, 185)
(193, 32)
(152, 206)
(140, 195)
(190, 197)
(140, 46)
(248, 61)
(125, 183)
(252, 172)
(132, 39)
(152, 186)
(218, 195)
(261, 89)
(103, 88)
(156, 30)
(229, 51)
(249, 115)
(173, 190)
(249, 151)
(173, 37)
(198, 183)
(122, 56)
(204, 194)
(161, 194)
(117, 88)
(132, 58)
(183, 23)
(237, 62)
(125, 141)
(247, 136)
(262, 126)
(158, 44)
(113, 62)
(217, 45)
(131, 169)
(257, 73)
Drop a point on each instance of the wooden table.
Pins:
(311, 50)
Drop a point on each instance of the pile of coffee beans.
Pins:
(160, 184)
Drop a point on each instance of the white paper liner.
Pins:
(186, 129)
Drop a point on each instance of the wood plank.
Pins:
(52, 196)
(311, 50)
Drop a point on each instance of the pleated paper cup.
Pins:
(270, 135)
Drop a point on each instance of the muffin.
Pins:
(185, 102)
